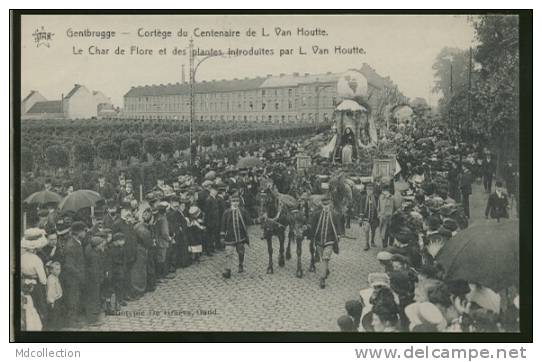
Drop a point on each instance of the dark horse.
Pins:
(274, 218)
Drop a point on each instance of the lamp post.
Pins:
(194, 65)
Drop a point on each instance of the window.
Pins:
(333, 101)
(276, 106)
(270, 118)
(289, 105)
(245, 118)
(263, 92)
(263, 105)
(250, 105)
(290, 92)
(283, 118)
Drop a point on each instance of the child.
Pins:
(195, 232)
(54, 294)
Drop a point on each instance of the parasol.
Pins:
(43, 197)
(249, 162)
(79, 200)
(487, 253)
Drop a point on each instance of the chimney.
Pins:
(296, 74)
(282, 75)
(183, 79)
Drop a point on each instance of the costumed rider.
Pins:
(234, 234)
(324, 232)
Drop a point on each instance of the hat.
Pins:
(450, 224)
(324, 186)
(353, 307)
(43, 213)
(400, 258)
(346, 324)
(33, 238)
(96, 240)
(220, 185)
(118, 236)
(378, 279)
(384, 255)
(77, 227)
(424, 313)
(446, 210)
(325, 197)
(162, 205)
(184, 199)
(206, 184)
(194, 211)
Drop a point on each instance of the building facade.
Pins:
(79, 103)
(283, 98)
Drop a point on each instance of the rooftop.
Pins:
(46, 107)
(278, 81)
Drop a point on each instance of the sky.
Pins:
(402, 47)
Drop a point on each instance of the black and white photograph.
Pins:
(254, 172)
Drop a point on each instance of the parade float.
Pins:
(353, 144)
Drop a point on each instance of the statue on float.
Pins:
(354, 126)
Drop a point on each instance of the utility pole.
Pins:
(191, 75)
(451, 94)
(470, 123)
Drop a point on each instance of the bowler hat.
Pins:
(77, 227)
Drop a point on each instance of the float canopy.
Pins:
(350, 105)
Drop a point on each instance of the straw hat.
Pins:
(194, 211)
(33, 238)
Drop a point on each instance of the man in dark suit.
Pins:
(212, 220)
(369, 215)
(105, 188)
(125, 226)
(73, 273)
(497, 203)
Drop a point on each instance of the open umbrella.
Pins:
(43, 197)
(79, 200)
(487, 253)
(249, 162)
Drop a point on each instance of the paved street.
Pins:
(252, 301)
(198, 299)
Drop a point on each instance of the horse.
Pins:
(274, 219)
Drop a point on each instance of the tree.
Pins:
(27, 159)
(130, 148)
(150, 145)
(57, 157)
(497, 90)
(84, 153)
(166, 146)
(451, 81)
(108, 151)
